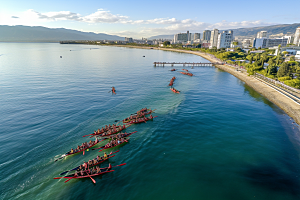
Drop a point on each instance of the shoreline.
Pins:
(287, 105)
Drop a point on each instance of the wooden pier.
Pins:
(184, 64)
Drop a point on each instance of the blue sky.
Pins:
(138, 19)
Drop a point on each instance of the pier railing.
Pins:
(194, 64)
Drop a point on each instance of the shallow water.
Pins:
(218, 139)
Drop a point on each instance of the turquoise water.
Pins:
(218, 139)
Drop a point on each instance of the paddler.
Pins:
(105, 155)
(72, 151)
(90, 163)
(151, 117)
(113, 89)
(98, 169)
(85, 165)
(109, 167)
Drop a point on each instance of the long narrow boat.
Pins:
(102, 159)
(115, 133)
(142, 120)
(121, 128)
(103, 147)
(86, 173)
(81, 150)
(174, 90)
(185, 70)
(125, 141)
(111, 133)
(148, 112)
(187, 73)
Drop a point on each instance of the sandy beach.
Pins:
(286, 104)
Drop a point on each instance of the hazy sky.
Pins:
(138, 19)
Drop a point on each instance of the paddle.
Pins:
(69, 170)
(68, 180)
(91, 178)
(98, 148)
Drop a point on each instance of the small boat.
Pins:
(174, 90)
(103, 147)
(78, 151)
(125, 141)
(140, 114)
(172, 81)
(102, 159)
(89, 174)
(185, 70)
(118, 129)
(187, 73)
(141, 120)
(113, 132)
(172, 70)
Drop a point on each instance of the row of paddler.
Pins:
(84, 171)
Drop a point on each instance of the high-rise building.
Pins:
(297, 37)
(214, 38)
(224, 39)
(206, 35)
(261, 34)
(196, 36)
(130, 40)
(182, 37)
(267, 42)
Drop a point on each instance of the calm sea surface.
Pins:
(218, 139)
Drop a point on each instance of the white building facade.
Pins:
(182, 37)
(262, 34)
(224, 39)
(297, 37)
(214, 38)
(206, 35)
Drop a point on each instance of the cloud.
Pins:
(191, 25)
(104, 16)
(55, 16)
(138, 28)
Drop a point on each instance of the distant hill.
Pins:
(271, 30)
(171, 37)
(251, 32)
(43, 34)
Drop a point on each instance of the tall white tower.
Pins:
(214, 38)
(297, 37)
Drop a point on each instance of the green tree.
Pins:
(292, 58)
(284, 70)
(271, 70)
(250, 58)
(285, 52)
(166, 43)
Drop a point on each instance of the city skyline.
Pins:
(135, 19)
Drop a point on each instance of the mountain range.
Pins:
(43, 34)
(251, 32)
